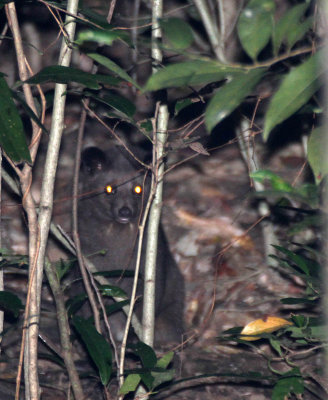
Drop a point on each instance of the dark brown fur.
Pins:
(110, 222)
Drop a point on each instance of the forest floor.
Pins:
(210, 218)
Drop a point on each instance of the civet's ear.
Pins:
(93, 160)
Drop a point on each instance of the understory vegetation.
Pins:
(225, 95)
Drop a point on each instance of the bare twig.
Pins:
(3, 32)
(1, 270)
(33, 297)
(212, 30)
(134, 287)
(134, 32)
(86, 274)
(112, 131)
(64, 331)
(38, 238)
(75, 234)
(111, 11)
(160, 124)
(247, 149)
(160, 136)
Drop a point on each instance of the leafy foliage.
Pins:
(154, 372)
(255, 26)
(98, 348)
(12, 137)
(301, 332)
(269, 48)
(295, 90)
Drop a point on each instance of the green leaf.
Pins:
(164, 361)
(314, 330)
(20, 98)
(116, 273)
(146, 127)
(181, 104)
(18, 261)
(164, 376)
(229, 97)
(288, 386)
(297, 300)
(62, 267)
(101, 36)
(10, 302)
(275, 343)
(148, 358)
(191, 73)
(287, 24)
(309, 193)
(60, 74)
(98, 349)
(317, 153)
(146, 354)
(119, 103)
(109, 64)
(12, 137)
(74, 304)
(112, 291)
(255, 26)
(298, 32)
(319, 332)
(276, 182)
(130, 384)
(295, 90)
(110, 309)
(177, 32)
(148, 379)
(300, 261)
(300, 321)
(93, 18)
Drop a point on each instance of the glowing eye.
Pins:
(138, 189)
(109, 189)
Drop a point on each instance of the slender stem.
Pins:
(211, 29)
(86, 274)
(46, 201)
(134, 287)
(111, 11)
(33, 296)
(1, 270)
(75, 233)
(248, 152)
(159, 140)
(148, 321)
(64, 331)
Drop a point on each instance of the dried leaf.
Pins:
(215, 229)
(259, 326)
(199, 148)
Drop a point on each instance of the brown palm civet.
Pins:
(113, 194)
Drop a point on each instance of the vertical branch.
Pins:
(1, 270)
(134, 289)
(64, 331)
(76, 237)
(31, 379)
(134, 33)
(46, 205)
(160, 136)
(325, 199)
(211, 29)
(88, 280)
(248, 152)
(246, 146)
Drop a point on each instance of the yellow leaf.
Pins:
(266, 325)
